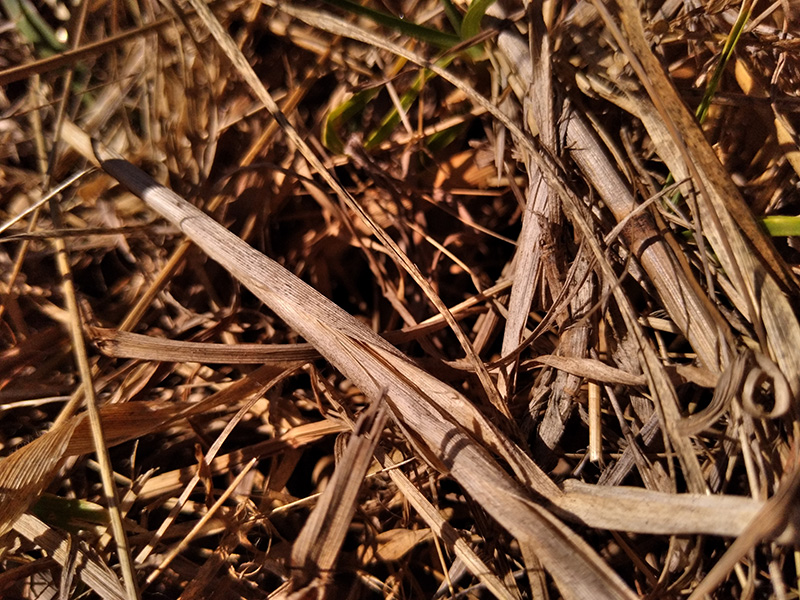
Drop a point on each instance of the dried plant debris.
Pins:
(399, 300)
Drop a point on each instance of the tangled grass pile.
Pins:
(400, 300)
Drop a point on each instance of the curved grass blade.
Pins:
(471, 26)
(341, 115)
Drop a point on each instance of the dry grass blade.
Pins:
(685, 302)
(29, 470)
(92, 410)
(373, 364)
(316, 549)
(78, 344)
(618, 507)
(94, 573)
(206, 465)
(542, 212)
(444, 530)
(540, 262)
(694, 148)
(128, 421)
(131, 345)
(26, 473)
(46, 198)
(590, 369)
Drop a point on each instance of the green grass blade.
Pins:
(32, 26)
(69, 514)
(472, 20)
(727, 51)
(425, 34)
(392, 118)
(341, 115)
(781, 226)
(452, 14)
(442, 139)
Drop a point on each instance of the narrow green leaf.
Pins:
(781, 226)
(341, 115)
(32, 26)
(727, 52)
(70, 514)
(472, 20)
(442, 139)
(452, 14)
(425, 34)
(392, 118)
